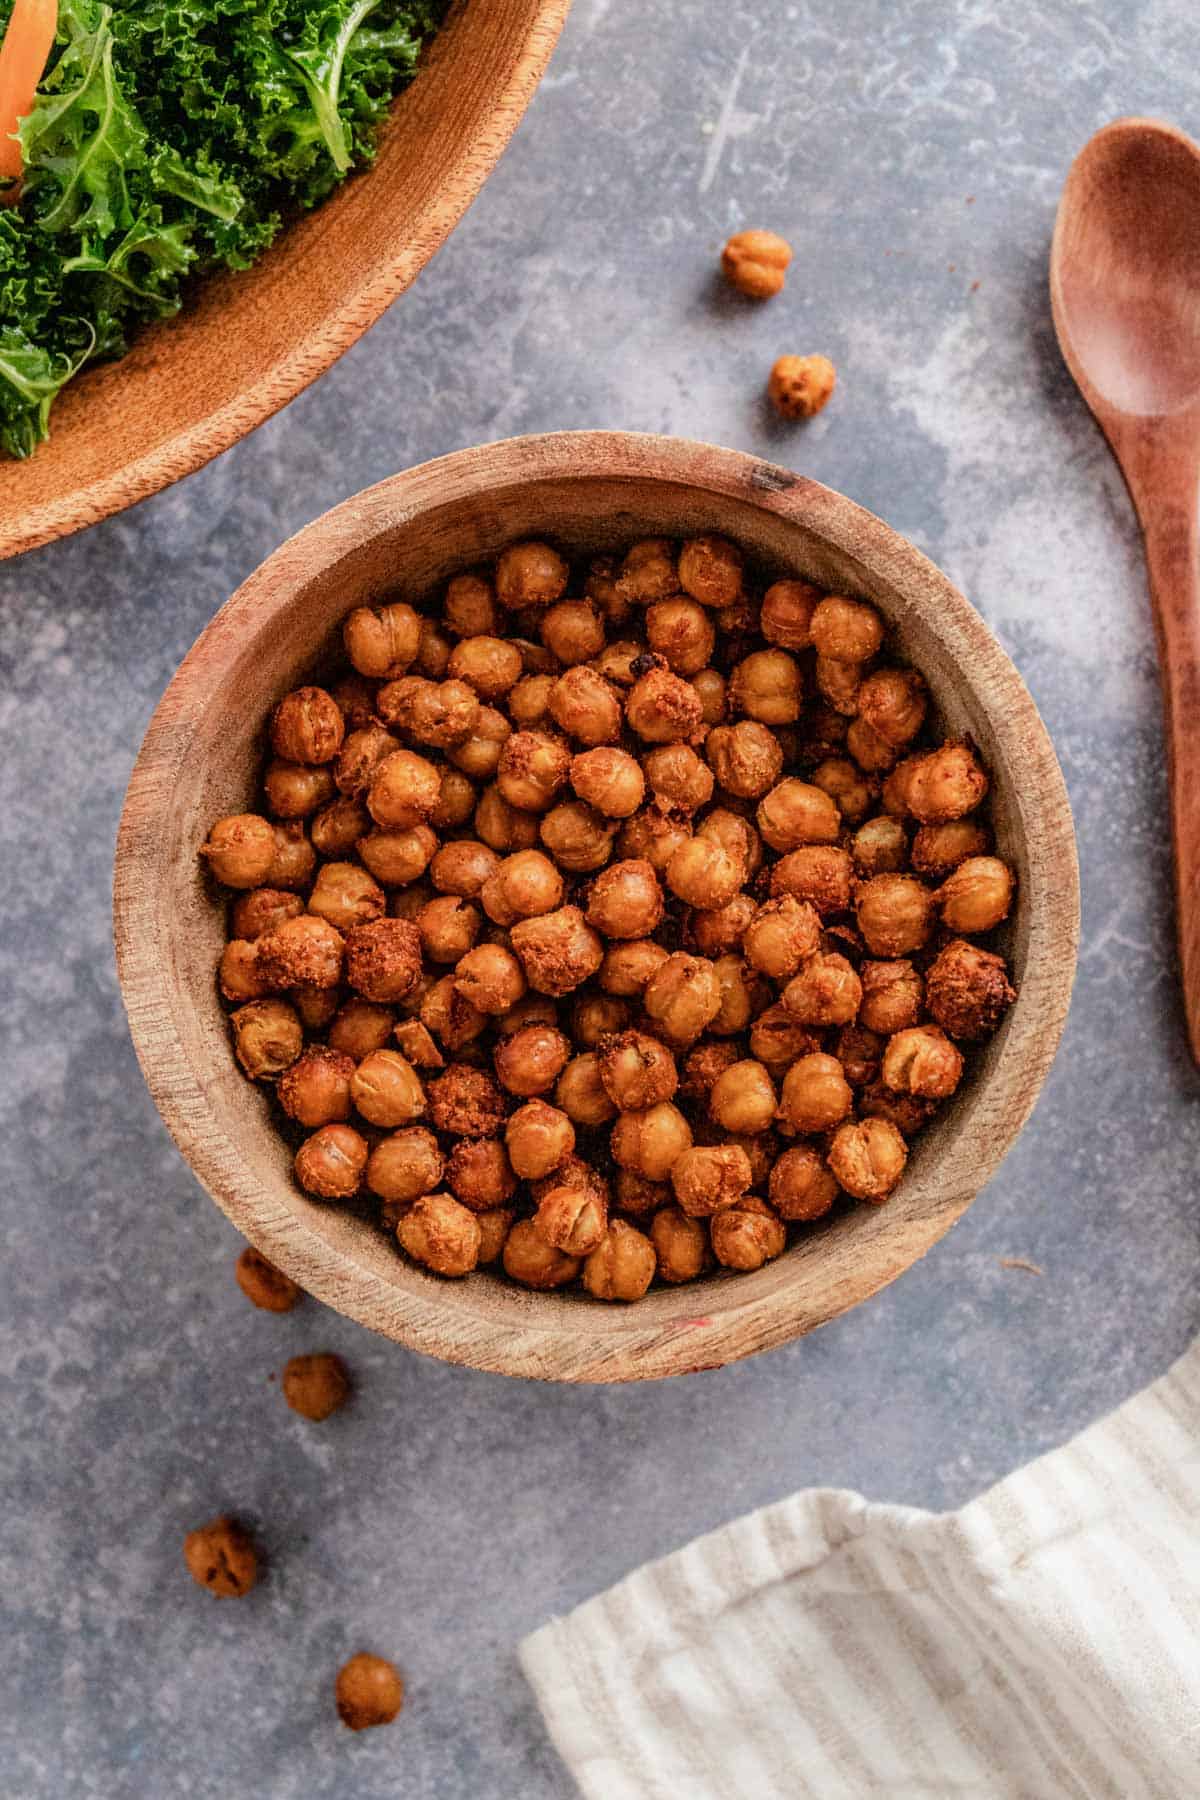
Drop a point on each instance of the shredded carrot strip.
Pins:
(23, 56)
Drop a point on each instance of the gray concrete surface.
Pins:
(913, 154)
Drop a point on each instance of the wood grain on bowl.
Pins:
(585, 490)
(246, 344)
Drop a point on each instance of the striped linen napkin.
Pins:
(1042, 1642)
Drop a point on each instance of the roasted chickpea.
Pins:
(872, 754)
(742, 1098)
(416, 1042)
(704, 875)
(585, 705)
(503, 827)
(635, 1071)
(307, 726)
(595, 1017)
(716, 931)
(490, 978)
(661, 708)
(469, 608)
(880, 847)
(893, 702)
(383, 959)
(581, 1094)
(647, 573)
(682, 633)
(680, 1245)
(529, 701)
(572, 1219)
(710, 570)
(386, 1089)
(742, 995)
(494, 1227)
(819, 873)
(735, 835)
(766, 686)
(382, 643)
(441, 1234)
(892, 996)
(559, 951)
(905, 1111)
(896, 787)
(433, 651)
(846, 631)
(315, 1386)
(868, 1158)
(572, 631)
(787, 614)
(449, 927)
(634, 1194)
(315, 1090)
(355, 698)
(263, 1284)
(466, 1102)
(261, 910)
(443, 714)
(240, 850)
(839, 682)
(240, 974)
(627, 968)
(842, 781)
(608, 780)
(708, 1177)
(331, 1162)
(709, 685)
(531, 1009)
(338, 827)
(895, 914)
(860, 1053)
(360, 1027)
(463, 868)
(801, 1185)
(294, 790)
(977, 896)
(801, 386)
(295, 860)
(816, 1094)
(302, 952)
(478, 757)
(938, 849)
(221, 1557)
(315, 1005)
(479, 1174)
(795, 813)
(539, 1138)
(404, 791)
(626, 900)
(650, 1143)
(535, 1263)
(682, 996)
(747, 1235)
(360, 756)
(578, 838)
(755, 263)
(530, 574)
(344, 895)
(405, 1165)
(530, 1060)
(396, 858)
(968, 991)
(777, 1038)
(654, 835)
(922, 1061)
(524, 886)
(746, 758)
(782, 934)
(533, 766)
(678, 778)
(574, 1172)
(622, 1265)
(449, 1015)
(825, 992)
(945, 784)
(267, 1038)
(489, 665)
(701, 1067)
(615, 662)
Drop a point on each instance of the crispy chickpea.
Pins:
(946, 784)
(559, 951)
(478, 757)
(449, 1015)
(386, 1089)
(383, 959)
(799, 387)
(905, 1111)
(746, 758)
(595, 1017)
(782, 934)
(433, 651)
(397, 858)
(704, 875)
(584, 705)
(976, 896)
(627, 968)
(622, 1265)
(404, 791)
(766, 686)
(240, 974)
(787, 613)
(635, 1071)
(490, 665)
(715, 931)
(494, 1227)
(529, 1259)
(530, 1060)
(608, 780)
(742, 995)
(405, 1165)
(295, 860)
(581, 1094)
(842, 781)
(490, 978)
(221, 1557)
(443, 714)
(825, 992)
(533, 766)
(449, 927)
(845, 630)
(337, 828)
(655, 835)
(634, 1194)
(661, 708)
(466, 1102)
(572, 631)
(795, 813)
(709, 685)
(701, 1067)
(747, 1235)
(440, 1234)
(479, 1174)
(578, 838)
(315, 1005)
(315, 1386)
(530, 574)
(860, 1052)
(574, 1172)
(880, 847)
(868, 1158)
(648, 571)
(503, 827)
(680, 1245)
(822, 874)
(755, 263)
(294, 790)
(360, 756)
(777, 1038)
(895, 914)
(710, 570)
(263, 1284)
(331, 1162)
(538, 1137)
(893, 702)
(524, 886)
(530, 1009)
(529, 701)
(968, 991)
(469, 608)
(678, 778)
(615, 662)
(650, 1143)
(921, 1060)
(872, 753)
(355, 698)
(382, 643)
(708, 1177)
(267, 1038)
(344, 895)
(302, 952)
(801, 1185)
(892, 996)
(315, 1090)
(938, 849)
(261, 910)
(416, 1042)
(896, 787)
(626, 900)
(307, 726)
(682, 996)
(839, 682)
(682, 633)
(456, 800)
(571, 1219)
(463, 868)
(735, 835)
(240, 850)
(816, 1094)
(742, 1098)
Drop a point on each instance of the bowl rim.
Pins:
(619, 1346)
(113, 490)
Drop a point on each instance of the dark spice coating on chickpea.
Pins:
(591, 880)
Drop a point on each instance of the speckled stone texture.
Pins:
(913, 154)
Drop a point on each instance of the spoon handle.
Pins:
(1162, 467)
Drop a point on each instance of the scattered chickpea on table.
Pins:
(605, 925)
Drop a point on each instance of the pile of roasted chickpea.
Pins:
(607, 926)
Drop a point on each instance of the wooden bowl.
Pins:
(246, 344)
(204, 749)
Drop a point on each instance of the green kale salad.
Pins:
(168, 138)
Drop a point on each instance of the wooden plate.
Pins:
(204, 749)
(246, 344)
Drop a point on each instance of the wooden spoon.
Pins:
(1125, 289)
